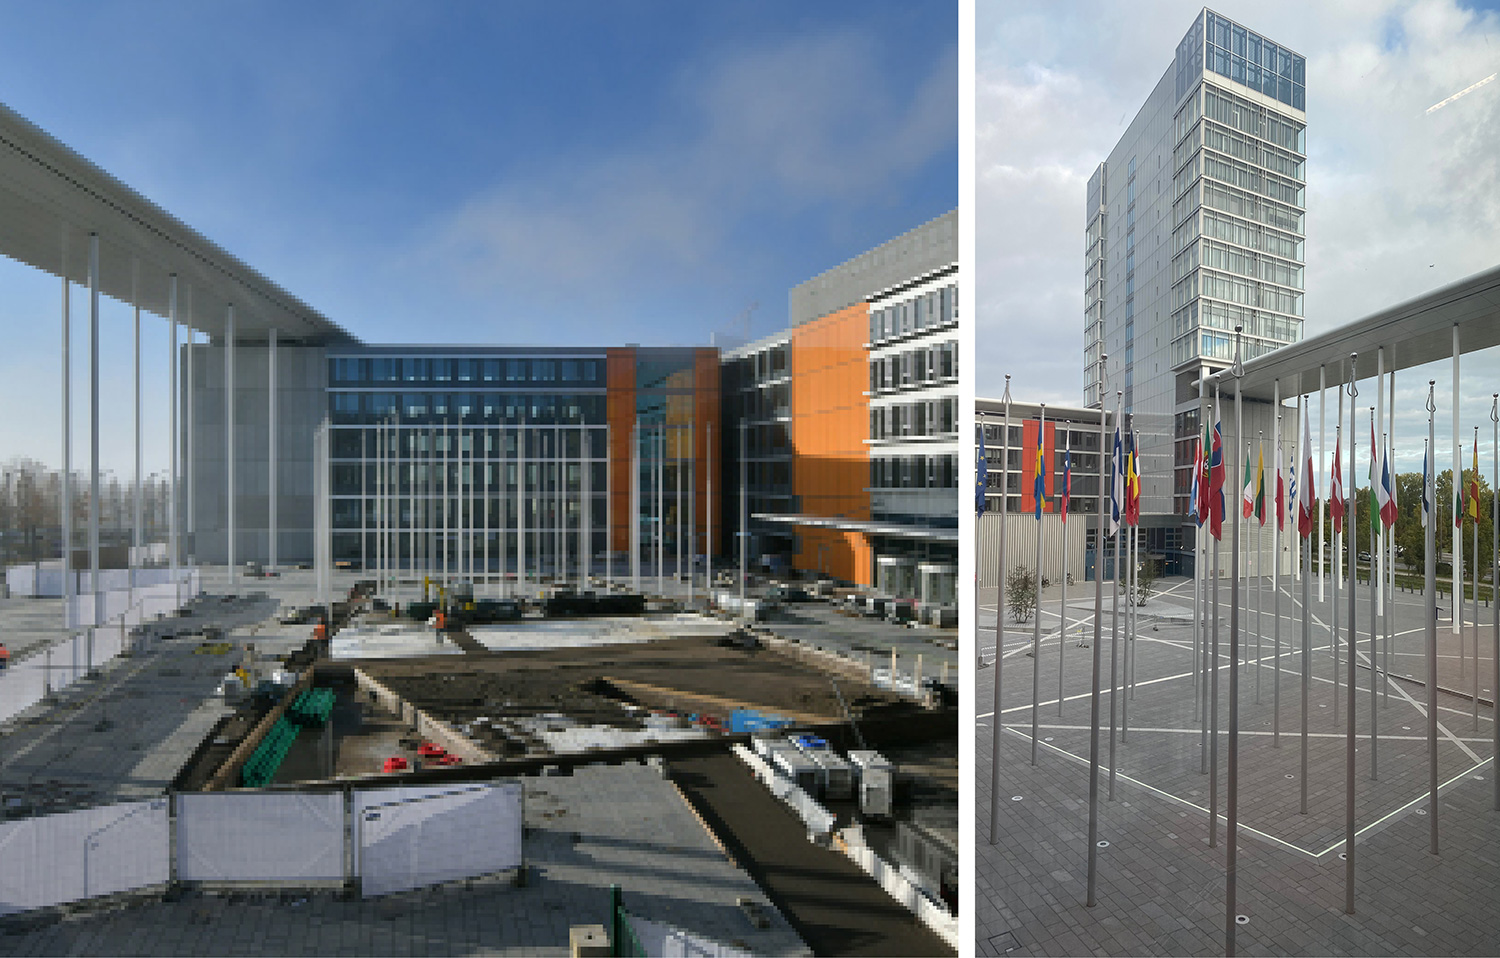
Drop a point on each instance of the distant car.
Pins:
(788, 593)
(1364, 557)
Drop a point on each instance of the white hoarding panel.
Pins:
(410, 837)
(260, 836)
(83, 854)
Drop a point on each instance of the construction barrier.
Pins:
(55, 859)
(410, 837)
(888, 877)
(63, 662)
(260, 836)
(661, 940)
(818, 819)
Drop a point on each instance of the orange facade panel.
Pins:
(830, 421)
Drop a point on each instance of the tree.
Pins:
(1020, 593)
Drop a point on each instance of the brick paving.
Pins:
(1160, 886)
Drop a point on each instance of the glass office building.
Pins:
(1196, 224)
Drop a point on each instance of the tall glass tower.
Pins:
(1195, 224)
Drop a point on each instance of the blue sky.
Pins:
(473, 172)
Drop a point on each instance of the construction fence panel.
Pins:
(260, 836)
(413, 837)
(82, 854)
(22, 685)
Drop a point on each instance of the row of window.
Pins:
(1228, 199)
(914, 472)
(770, 402)
(1215, 345)
(1233, 289)
(1217, 315)
(1264, 239)
(1246, 177)
(934, 308)
(927, 417)
(532, 442)
(498, 479)
(375, 370)
(1240, 114)
(924, 365)
(350, 408)
(1236, 260)
(1240, 147)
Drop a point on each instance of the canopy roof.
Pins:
(51, 199)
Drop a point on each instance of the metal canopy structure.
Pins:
(1415, 332)
(51, 199)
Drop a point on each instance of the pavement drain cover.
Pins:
(1047, 739)
(1015, 798)
(1102, 844)
(1242, 919)
(1291, 776)
(1005, 943)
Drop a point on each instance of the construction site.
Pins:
(266, 695)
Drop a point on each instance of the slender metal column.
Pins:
(1390, 539)
(745, 519)
(1350, 517)
(1213, 684)
(609, 508)
(1260, 572)
(1062, 605)
(94, 443)
(1377, 528)
(1114, 628)
(1276, 582)
(677, 501)
(173, 398)
(1475, 691)
(1231, 829)
(1429, 589)
(661, 514)
(485, 499)
(189, 393)
(140, 501)
(1312, 495)
(1198, 555)
(70, 582)
(1093, 839)
(274, 441)
(1374, 603)
(229, 509)
(711, 510)
(692, 509)
(1458, 549)
(1036, 633)
(635, 506)
(364, 501)
(1494, 596)
(1339, 538)
(1322, 470)
(522, 502)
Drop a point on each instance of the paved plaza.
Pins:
(1161, 886)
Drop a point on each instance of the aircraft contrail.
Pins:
(1464, 92)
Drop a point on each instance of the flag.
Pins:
(1117, 479)
(1133, 482)
(1039, 488)
(981, 477)
(1216, 483)
(1204, 509)
(1426, 484)
(1306, 501)
(1336, 494)
(1377, 491)
(1459, 506)
(1387, 492)
(1281, 499)
(1474, 486)
(1247, 495)
(1196, 491)
(1260, 484)
(1067, 485)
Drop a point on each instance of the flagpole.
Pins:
(1458, 549)
(1474, 488)
(1495, 579)
(981, 482)
(1198, 571)
(1338, 558)
(1374, 601)
(1350, 517)
(1260, 570)
(1039, 494)
(995, 766)
(1231, 829)
(1276, 580)
(1213, 721)
(1314, 512)
(1322, 475)
(1429, 580)
(1117, 478)
(1093, 839)
(1062, 636)
(1390, 540)
(1128, 529)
